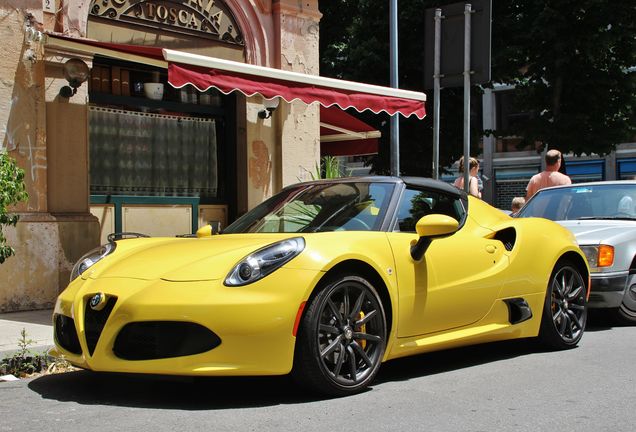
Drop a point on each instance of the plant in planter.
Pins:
(12, 191)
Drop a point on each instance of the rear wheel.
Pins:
(564, 311)
(342, 338)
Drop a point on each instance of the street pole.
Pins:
(395, 119)
(467, 13)
(436, 91)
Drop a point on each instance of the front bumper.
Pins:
(608, 289)
(183, 328)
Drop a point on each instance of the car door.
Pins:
(459, 277)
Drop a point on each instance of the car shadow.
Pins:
(187, 393)
(453, 359)
(600, 320)
(168, 392)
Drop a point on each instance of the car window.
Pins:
(602, 201)
(414, 204)
(346, 206)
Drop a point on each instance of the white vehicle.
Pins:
(602, 216)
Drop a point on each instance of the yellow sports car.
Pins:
(326, 280)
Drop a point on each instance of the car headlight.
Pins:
(90, 258)
(264, 261)
(599, 256)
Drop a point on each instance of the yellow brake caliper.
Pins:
(362, 329)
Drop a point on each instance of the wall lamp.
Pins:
(75, 72)
(270, 106)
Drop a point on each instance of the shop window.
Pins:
(147, 138)
(585, 171)
(136, 153)
(626, 169)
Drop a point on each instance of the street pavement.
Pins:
(38, 327)
(505, 386)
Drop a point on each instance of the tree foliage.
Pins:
(12, 191)
(568, 59)
(570, 62)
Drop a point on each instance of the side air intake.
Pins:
(518, 310)
(508, 237)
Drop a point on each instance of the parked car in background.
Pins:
(602, 215)
(326, 279)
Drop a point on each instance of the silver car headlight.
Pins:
(264, 261)
(599, 255)
(90, 258)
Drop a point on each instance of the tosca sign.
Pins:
(204, 18)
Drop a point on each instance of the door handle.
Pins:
(491, 248)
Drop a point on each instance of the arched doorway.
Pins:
(161, 160)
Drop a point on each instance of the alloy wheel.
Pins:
(568, 304)
(351, 334)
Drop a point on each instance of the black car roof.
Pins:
(417, 182)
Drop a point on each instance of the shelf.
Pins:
(159, 105)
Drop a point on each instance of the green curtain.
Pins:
(136, 153)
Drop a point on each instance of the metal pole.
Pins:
(395, 119)
(467, 12)
(436, 91)
(488, 104)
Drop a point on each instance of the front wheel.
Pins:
(626, 313)
(565, 309)
(342, 338)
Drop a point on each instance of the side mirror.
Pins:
(430, 227)
(209, 230)
(436, 225)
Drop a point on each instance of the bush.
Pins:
(12, 191)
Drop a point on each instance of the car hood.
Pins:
(599, 231)
(179, 259)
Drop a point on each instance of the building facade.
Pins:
(124, 150)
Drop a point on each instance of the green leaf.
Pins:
(12, 191)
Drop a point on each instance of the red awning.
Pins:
(205, 72)
(342, 134)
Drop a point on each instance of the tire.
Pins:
(565, 308)
(626, 312)
(342, 338)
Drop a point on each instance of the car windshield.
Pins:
(600, 201)
(314, 207)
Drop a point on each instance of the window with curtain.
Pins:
(136, 153)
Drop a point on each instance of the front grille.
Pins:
(163, 339)
(65, 334)
(94, 321)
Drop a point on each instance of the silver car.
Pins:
(602, 216)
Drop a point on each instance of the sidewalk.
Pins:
(37, 324)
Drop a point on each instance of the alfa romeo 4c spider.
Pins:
(326, 280)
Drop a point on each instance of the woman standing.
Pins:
(473, 183)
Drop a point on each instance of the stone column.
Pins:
(298, 143)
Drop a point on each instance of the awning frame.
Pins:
(346, 135)
(199, 70)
